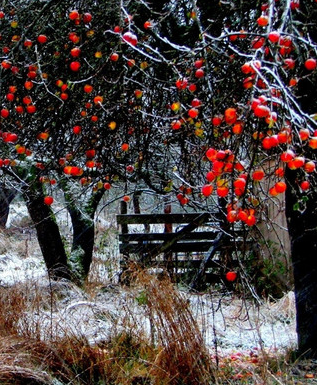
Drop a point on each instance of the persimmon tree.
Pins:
(253, 107)
(76, 116)
(61, 90)
(241, 121)
(210, 103)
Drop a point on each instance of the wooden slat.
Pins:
(195, 263)
(189, 263)
(196, 250)
(150, 248)
(185, 247)
(135, 237)
(178, 236)
(160, 218)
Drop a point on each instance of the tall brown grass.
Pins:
(183, 357)
(172, 352)
(129, 356)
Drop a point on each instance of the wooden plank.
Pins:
(152, 248)
(192, 225)
(161, 218)
(135, 237)
(195, 263)
(124, 210)
(191, 264)
(185, 247)
(208, 257)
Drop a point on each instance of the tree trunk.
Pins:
(301, 215)
(82, 218)
(48, 235)
(83, 242)
(6, 197)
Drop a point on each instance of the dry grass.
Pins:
(128, 356)
(173, 352)
(25, 361)
(183, 357)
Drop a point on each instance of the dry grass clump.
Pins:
(24, 361)
(183, 357)
(12, 305)
(24, 358)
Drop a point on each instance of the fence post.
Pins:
(168, 228)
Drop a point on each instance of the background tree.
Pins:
(48, 134)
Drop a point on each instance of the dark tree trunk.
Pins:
(83, 232)
(48, 235)
(83, 242)
(6, 197)
(301, 212)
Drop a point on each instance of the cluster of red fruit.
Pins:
(9, 137)
(46, 179)
(182, 195)
(279, 49)
(76, 171)
(294, 162)
(198, 72)
(250, 68)
(5, 162)
(76, 17)
(223, 162)
(130, 38)
(245, 215)
(183, 84)
(26, 100)
(192, 113)
(230, 118)
(73, 170)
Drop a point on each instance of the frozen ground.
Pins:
(227, 323)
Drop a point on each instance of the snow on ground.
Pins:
(20, 257)
(14, 269)
(227, 323)
(234, 326)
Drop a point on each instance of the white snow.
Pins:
(234, 326)
(14, 269)
(237, 324)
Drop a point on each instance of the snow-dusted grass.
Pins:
(58, 313)
(90, 318)
(226, 322)
(20, 256)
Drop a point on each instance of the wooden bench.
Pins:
(184, 245)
